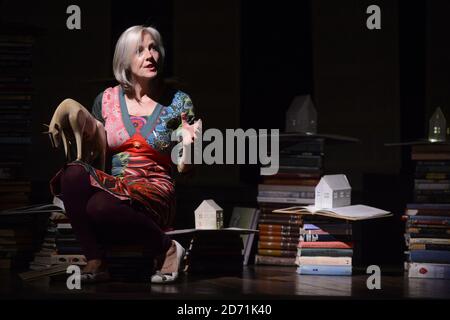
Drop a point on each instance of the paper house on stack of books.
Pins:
(333, 191)
(302, 116)
(209, 216)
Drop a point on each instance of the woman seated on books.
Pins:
(136, 203)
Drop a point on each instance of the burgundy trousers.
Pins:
(99, 219)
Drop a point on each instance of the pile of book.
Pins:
(13, 193)
(278, 237)
(60, 245)
(15, 119)
(326, 244)
(300, 169)
(427, 231)
(325, 247)
(432, 181)
(21, 234)
(427, 238)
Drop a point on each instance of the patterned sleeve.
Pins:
(97, 108)
(188, 108)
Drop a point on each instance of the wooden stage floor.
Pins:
(256, 282)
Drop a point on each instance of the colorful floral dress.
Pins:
(141, 153)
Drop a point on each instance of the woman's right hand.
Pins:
(190, 132)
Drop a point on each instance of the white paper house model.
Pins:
(208, 215)
(302, 116)
(333, 191)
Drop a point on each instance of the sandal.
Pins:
(160, 277)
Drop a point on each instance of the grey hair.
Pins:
(126, 46)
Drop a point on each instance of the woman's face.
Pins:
(144, 63)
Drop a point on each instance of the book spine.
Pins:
(278, 228)
(428, 229)
(279, 233)
(430, 256)
(428, 206)
(429, 241)
(429, 271)
(329, 261)
(286, 194)
(277, 245)
(341, 228)
(430, 156)
(292, 182)
(317, 237)
(301, 161)
(264, 238)
(282, 222)
(296, 175)
(276, 253)
(285, 200)
(428, 235)
(325, 270)
(278, 261)
(433, 220)
(326, 244)
(422, 246)
(283, 188)
(427, 212)
(432, 176)
(312, 252)
(288, 217)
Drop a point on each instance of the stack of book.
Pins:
(428, 240)
(66, 241)
(278, 238)
(42, 258)
(432, 181)
(15, 119)
(17, 244)
(59, 246)
(300, 170)
(325, 247)
(301, 166)
(20, 236)
(427, 232)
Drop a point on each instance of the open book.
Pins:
(56, 206)
(223, 230)
(37, 274)
(354, 213)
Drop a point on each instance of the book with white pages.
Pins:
(56, 206)
(354, 212)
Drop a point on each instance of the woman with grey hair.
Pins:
(136, 202)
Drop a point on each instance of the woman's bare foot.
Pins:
(170, 262)
(94, 266)
(95, 271)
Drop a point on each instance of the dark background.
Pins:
(243, 62)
